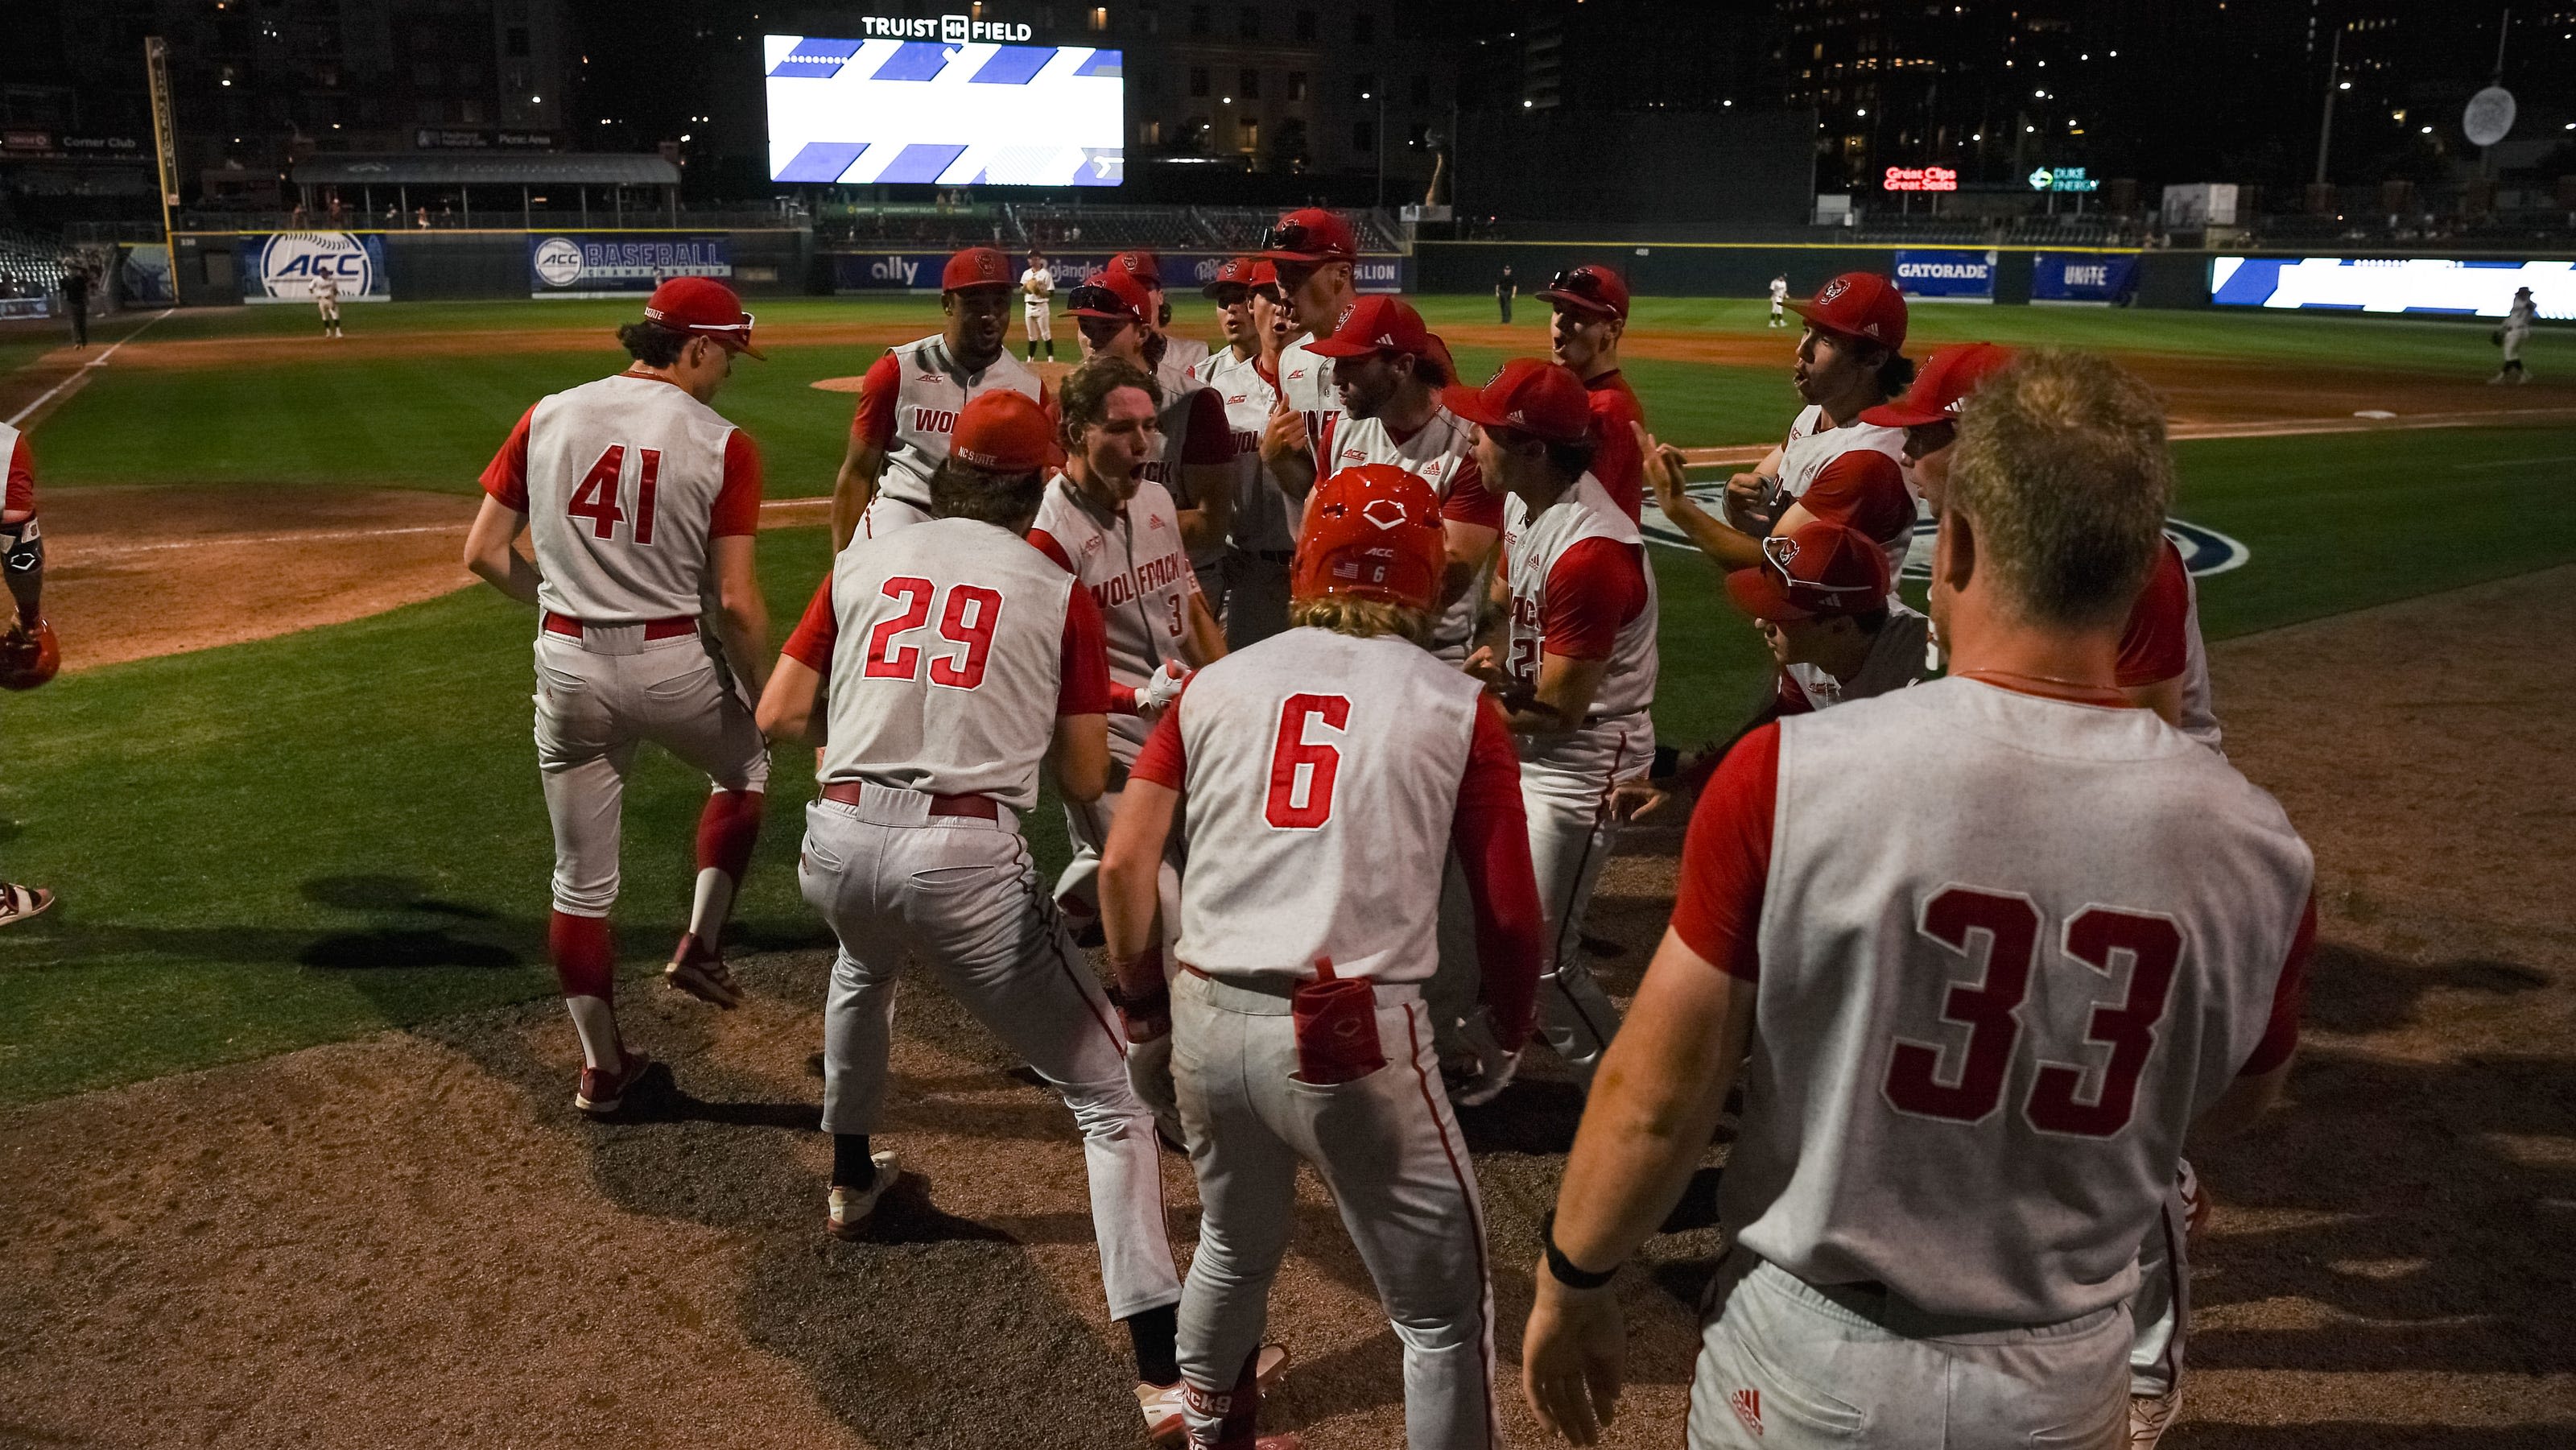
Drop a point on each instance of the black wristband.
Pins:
(1563, 1269)
(1668, 763)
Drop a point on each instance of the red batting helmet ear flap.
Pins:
(29, 657)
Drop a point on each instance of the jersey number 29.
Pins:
(2096, 937)
(595, 497)
(968, 619)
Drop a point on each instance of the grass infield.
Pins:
(276, 844)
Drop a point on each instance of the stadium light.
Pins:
(2344, 86)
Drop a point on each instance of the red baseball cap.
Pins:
(1949, 375)
(1310, 235)
(1376, 533)
(703, 307)
(1379, 323)
(1822, 569)
(1114, 295)
(1142, 265)
(977, 267)
(1003, 431)
(1591, 287)
(1864, 305)
(1242, 272)
(1529, 394)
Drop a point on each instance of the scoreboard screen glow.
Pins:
(944, 113)
(2465, 288)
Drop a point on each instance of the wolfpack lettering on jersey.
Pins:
(1262, 519)
(908, 406)
(2162, 640)
(2005, 1016)
(1138, 574)
(1442, 454)
(624, 481)
(965, 646)
(1343, 855)
(1306, 382)
(1584, 532)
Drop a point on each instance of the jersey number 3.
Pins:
(1303, 772)
(595, 497)
(1971, 1088)
(968, 620)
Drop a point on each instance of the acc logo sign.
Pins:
(289, 262)
(558, 261)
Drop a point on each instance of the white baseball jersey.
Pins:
(624, 482)
(1306, 381)
(1138, 574)
(908, 406)
(1811, 448)
(1037, 284)
(1322, 775)
(1442, 454)
(1546, 557)
(1895, 660)
(1262, 517)
(326, 289)
(1987, 1032)
(2521, 316)
(951, 648)
(1181, 357)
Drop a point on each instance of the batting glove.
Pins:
(1162, 688)
(1473, 1086)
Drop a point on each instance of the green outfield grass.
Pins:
(293, 841)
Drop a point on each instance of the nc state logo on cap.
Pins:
(1834, 289)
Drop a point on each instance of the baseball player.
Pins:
(1325, 774)
(909, 399)
(2516, 330)
(1573, 658)
(326, 296)
(1506, 288)
(1833, 465)
(1195, 462)
(970, 660)
(1119, 533)
(642, 503)
(1245, 374)
(29, 654)
(1779, 301)
(1388, 370)
(1173, 357)
(1315, 254)
(1037, 305)
(1820, 600)
(1975, 1043)
(1590, 318)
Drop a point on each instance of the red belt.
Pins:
(671, 628)
(981, 807)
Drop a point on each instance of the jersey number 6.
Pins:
(595, 497)
(2097, 937)
(1302, 772)
(968, 620)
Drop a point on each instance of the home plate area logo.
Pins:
(2204, 551)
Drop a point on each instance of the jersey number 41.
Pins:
(596, 497)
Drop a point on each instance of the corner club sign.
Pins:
(946, 29)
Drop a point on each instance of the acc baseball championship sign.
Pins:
(281, 267)
(619, 264)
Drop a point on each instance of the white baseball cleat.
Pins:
(1162, 1403)
(17, 903)
(850, 1207)
(2150, 1416)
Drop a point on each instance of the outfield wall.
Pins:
(489, 265)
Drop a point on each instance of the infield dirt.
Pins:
(414, 1240)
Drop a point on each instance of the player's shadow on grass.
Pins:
(423, 937)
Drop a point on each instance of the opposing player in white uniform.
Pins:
(1245, 375)
(1197, 452)
(1971, 1048)
(1037, 306)
(1325, 774)
(1388, 370)
(641, 502)
(1573, 659)
(1779, 301)
(2519, 318)
(1316, 256)
(1833, 465)
(950, 659)
(910, 398)
(1120, 534)
(326, 297)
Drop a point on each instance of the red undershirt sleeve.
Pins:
(2289, 995)
(1210, 439)
(874, 420)
(2156, 644)
(1045, 543)
(1593, 588)
(817, 630)
(1083, 666)
(19, 496)
(1726, 858)
(1490, 833)
(505, 477)
(1863, 489)
(1164, 760)
(737, 509)
(1615, 459)
(1468, 502)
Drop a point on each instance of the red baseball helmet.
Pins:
(1376, 534)
(29, 657)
